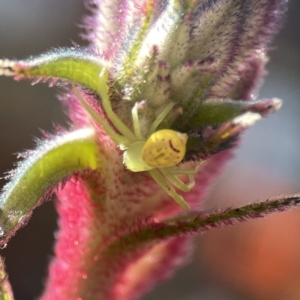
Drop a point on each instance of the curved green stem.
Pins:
(71, 64)
(53, 161)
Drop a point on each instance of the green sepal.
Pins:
(71, 64)
(53, 161)
(204, 145)
(218, 111)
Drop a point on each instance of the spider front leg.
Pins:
(136, 123)
(117, 138)
(160, 118)
(157, 121)
(162, 182)
(126, 136)
(111, 115)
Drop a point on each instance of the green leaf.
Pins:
(53, 161)
(218, 111)
(71, 64)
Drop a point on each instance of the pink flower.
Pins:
(192, 64)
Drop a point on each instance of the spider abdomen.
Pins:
(164, 148)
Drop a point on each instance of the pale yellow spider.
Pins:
(158, 153)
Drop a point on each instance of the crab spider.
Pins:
(159, 153)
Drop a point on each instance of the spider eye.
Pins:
(164, 148)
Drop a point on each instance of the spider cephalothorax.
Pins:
(159, 152)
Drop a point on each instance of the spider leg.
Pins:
(185, 187)
(161, 181)
(177, 170)
(112, 116)
(160, 118)
(136, 123)
(118, 139)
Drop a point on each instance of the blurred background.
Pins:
(257, 260)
